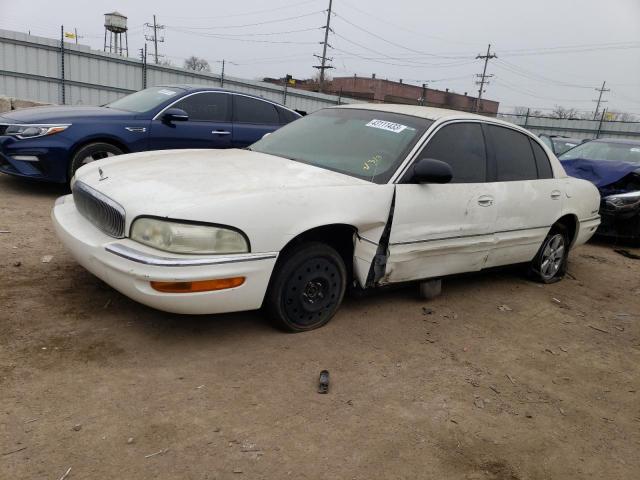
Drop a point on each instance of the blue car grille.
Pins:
(100, 210)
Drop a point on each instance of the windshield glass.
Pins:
(563, 144)
(367, 144)
(621, 152)
(145, 100)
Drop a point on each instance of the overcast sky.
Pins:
(549, 51)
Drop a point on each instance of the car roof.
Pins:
(430, 113)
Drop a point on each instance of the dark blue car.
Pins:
(51, 143)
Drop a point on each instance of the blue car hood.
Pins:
(599, 172)
(62, 114)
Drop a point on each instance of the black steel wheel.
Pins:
(550, 263)
(306, 288)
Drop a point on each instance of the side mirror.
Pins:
(429, 170)
(175, 115)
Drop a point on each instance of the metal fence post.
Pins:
(63, 96)
(526, 118)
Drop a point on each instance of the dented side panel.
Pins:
(440, 230)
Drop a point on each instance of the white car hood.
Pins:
(183, 176)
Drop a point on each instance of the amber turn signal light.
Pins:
(197, 286)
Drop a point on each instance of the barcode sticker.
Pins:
(384, 125)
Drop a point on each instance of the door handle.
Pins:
(485, 201)
(221, 132)
(555, 195)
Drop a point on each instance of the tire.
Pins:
(550, 263)
(306, 288)
(90, 153)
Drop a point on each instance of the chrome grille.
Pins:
(99, 209)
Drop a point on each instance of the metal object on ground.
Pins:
(429, 289)
(323, 385)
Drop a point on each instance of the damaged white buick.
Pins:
(353, 196)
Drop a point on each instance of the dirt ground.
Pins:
(547, 387)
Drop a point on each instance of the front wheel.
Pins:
(550, 263)
(307, 287)
(91, 153)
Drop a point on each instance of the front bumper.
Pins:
(49, 158)
(129, 267)
(620, 224)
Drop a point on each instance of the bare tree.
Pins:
(566, 113)
(197, 64)
(522, 111)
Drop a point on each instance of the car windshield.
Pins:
(366, 144)
(622, 152)
(145, 100)
(563, 144)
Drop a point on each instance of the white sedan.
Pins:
(360, 195)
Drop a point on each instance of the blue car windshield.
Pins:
(366, 144)
(145, 100)
(613, 151)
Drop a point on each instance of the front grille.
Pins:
(99, 209)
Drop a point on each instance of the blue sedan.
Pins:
(51, 143)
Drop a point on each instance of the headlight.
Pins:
(33, 131)
(623, 200)
(178, 237)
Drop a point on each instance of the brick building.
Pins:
(386, 91)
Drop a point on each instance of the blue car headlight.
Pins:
(623, 201)
(34, 131)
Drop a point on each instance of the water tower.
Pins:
(115, 25)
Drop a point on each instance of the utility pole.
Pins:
(601, 90)
(143, 57)
(483, 77)
(154, 38)
(323, 59)
(75, 34)
(423, 99)
(222, 75)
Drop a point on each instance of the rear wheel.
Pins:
(550, 263)
(90, 153)
(307, 287)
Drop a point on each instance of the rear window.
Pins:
(513, 154)
(542, 161)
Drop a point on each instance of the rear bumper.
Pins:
(586, 229)
(129, 267)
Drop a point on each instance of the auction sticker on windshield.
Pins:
(384, 125)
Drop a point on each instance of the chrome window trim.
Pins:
(442, 122)
(158, 261)
(37, 124)
(157, 115)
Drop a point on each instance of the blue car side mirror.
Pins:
(175, 115)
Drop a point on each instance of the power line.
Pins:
(278, 20)
(483, 77)
(254, 12)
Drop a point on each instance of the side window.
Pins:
(461, 145)
(286, 116)
(542, 161)
(513, 154)
(251, 110)
(207, 107)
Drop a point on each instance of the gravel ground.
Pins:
(499, 378)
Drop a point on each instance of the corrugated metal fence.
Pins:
(590, 129)
(34, 68)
